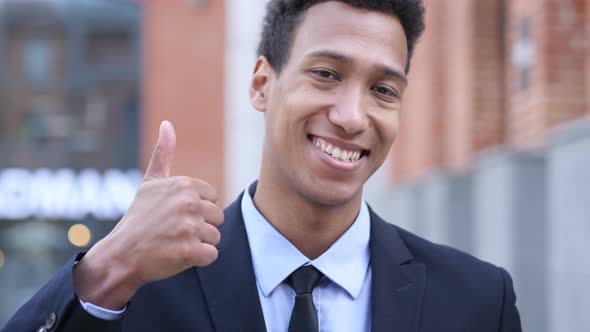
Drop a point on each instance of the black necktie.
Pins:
(304, 317)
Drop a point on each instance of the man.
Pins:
(299, 250)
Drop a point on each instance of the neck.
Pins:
(310, 226)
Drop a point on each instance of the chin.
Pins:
(332, 194)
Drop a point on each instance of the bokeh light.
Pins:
(79, 235)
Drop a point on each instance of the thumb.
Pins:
(161, 161)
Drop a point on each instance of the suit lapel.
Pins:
(398, 281)
(229, 283)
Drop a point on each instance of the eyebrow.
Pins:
(385, 70)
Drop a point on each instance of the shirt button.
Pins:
(50, 321)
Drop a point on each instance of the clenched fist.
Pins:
(170, 226)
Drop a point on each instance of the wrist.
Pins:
(102, 278)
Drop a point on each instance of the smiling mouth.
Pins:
(337, 152)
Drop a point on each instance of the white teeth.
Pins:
(336, 153)
(342, 155)
(345, 156)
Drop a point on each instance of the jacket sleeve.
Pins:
(510, 319)
(56, 307)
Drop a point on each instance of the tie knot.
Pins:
(304, 279)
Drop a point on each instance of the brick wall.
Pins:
(492, 72)
(488, 78)
(453, 105)
(557, 89)
(184, 47)
(417, 149)
(588, 59)
(474, 88)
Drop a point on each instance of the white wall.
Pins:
(244, 126)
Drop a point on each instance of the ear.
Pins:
(260, 84)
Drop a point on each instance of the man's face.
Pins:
(333, 112)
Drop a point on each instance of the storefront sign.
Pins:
(64, 194)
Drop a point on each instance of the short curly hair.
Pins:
(283, 16)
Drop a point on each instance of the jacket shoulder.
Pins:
(450, 273)
(462, 285)
(435, 254)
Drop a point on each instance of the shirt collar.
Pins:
(274, 258)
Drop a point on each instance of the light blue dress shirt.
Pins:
(342, 298)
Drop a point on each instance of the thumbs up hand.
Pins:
(170, 226)
(163, 155)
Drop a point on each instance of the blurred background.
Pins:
(493, 156)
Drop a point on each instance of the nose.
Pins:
(349, 113)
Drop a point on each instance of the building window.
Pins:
(523, 56)
(38, 62)
(110, 47)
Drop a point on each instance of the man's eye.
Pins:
(385, 91)
(325, 74)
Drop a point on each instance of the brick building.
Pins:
(490, 73)
(69, 84)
